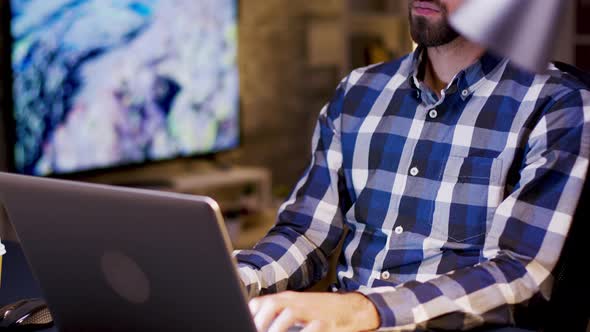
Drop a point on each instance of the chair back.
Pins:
(569, 306)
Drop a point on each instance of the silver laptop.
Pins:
(117, 259)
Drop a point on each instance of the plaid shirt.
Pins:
(456, 207)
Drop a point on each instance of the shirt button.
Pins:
(414, 171)
(433, 114)
(399, 230)
(465, 93)
(385, 275)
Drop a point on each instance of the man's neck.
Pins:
(444, 62)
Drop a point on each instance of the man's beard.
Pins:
(430, 34)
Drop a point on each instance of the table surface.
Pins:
(19, 283)
(17, 280)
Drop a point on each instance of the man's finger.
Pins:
(269, 309)
(254, 306)
(284, 321)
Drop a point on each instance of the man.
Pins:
(456, 175)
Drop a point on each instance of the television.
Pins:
(99, 84)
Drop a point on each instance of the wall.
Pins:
(276, 120)
(564, 49)
(279, 110)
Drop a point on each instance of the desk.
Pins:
(17, 280)
(18, 283)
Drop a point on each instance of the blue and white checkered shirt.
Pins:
(456, 207)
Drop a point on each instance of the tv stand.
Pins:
(253, 181)
(215, 162)
(155, 183)
(232, 186)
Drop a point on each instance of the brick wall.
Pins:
(278, 112)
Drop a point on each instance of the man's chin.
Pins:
(431, 21)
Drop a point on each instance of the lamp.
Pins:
(522, 30)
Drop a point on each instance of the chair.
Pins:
(568, 309)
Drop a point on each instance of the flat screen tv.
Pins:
(98, 84)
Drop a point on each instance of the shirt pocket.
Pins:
(465, 201)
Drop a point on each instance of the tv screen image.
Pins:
(104, 83)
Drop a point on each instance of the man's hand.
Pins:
(318, 312)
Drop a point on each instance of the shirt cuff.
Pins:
(250, 280)
(393, 306)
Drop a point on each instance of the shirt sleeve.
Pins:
(524, 240)
(294, 254)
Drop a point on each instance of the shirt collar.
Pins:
(466, 81)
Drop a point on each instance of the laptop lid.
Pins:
(118, 259)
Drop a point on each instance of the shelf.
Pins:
(216, 180)
(235, 188)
